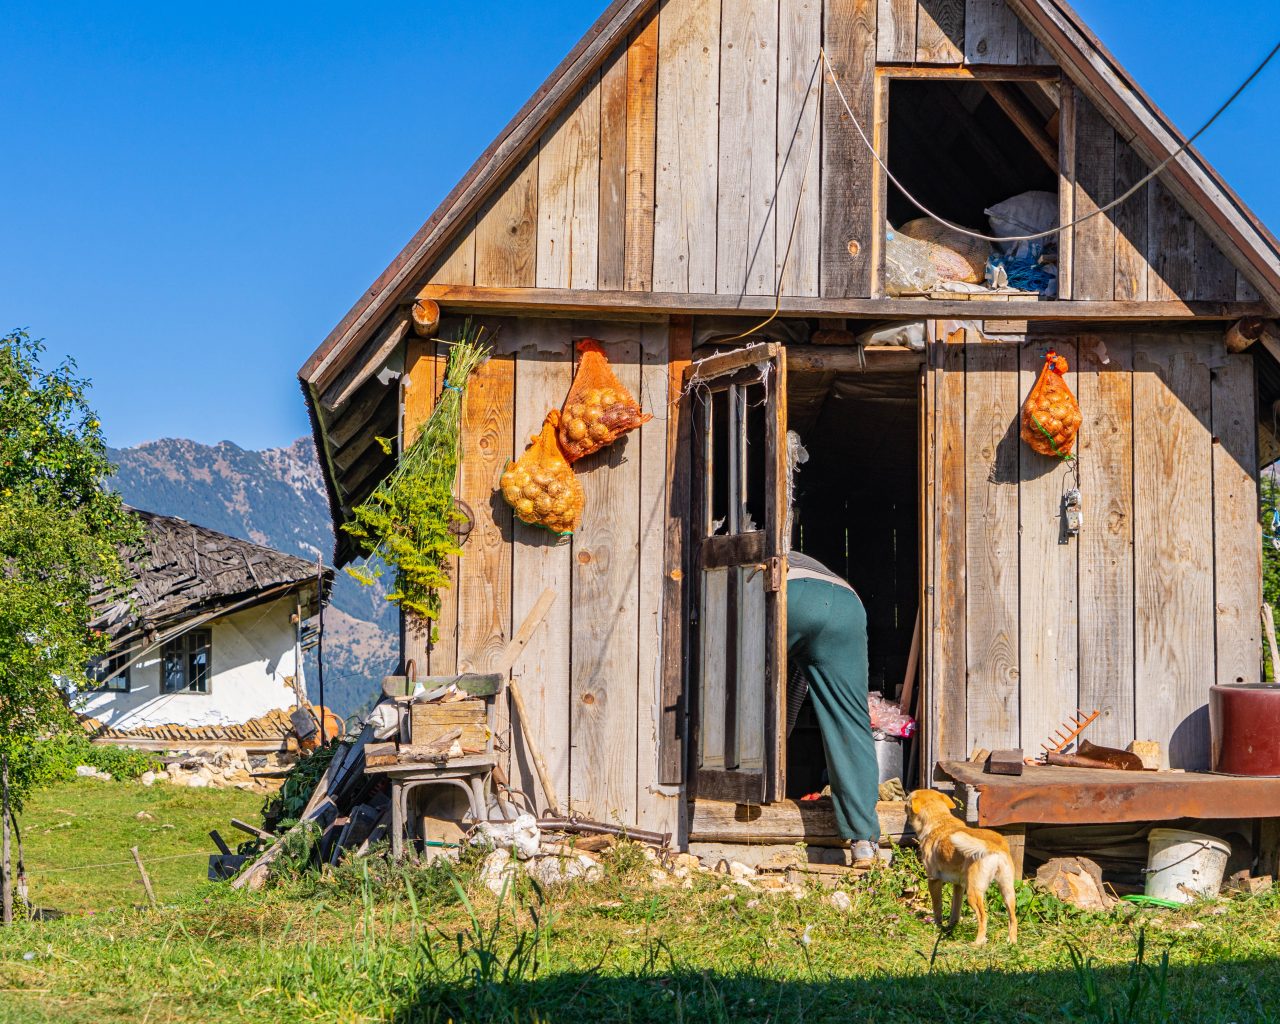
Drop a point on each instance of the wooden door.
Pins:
(738, 595)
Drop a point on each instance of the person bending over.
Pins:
(827, 643)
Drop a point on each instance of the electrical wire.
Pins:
(1052, 231)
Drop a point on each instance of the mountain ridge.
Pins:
(274, 497)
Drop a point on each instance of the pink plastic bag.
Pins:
(888, 718)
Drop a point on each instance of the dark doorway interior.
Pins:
(857, 512)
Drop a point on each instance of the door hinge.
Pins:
(774, 583)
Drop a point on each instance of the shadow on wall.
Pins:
(1189, 744)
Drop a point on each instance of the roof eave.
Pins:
(503, 153)
(1149, 130)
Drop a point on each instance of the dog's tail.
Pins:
(970, 847)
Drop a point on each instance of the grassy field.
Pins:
(373, 943)
(77, 836)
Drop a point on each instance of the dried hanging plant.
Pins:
(411, 520)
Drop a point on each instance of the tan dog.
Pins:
(969, 857)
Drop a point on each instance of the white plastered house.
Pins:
(206, 643)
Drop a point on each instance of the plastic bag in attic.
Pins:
(599, 409)
(1051, 415)
(541, 486)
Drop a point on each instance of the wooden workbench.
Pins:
(1049, 795)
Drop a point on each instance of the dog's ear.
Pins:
(915, 800)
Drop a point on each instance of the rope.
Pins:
(795, 218)
(117, 863)
(1052, 231)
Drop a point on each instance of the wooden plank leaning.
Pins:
(508, 658)
(319, 809)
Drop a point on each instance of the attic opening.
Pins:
(982, 154)
(856, 510)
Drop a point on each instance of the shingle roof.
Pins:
(182, 570)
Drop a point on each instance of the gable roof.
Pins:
(181, 571)
(1242, 237)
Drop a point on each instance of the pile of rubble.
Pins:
(553, 858)
(222, 768)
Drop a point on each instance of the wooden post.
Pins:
(1269, 623)
(907, 693)
(1016, 837)
(146, 882)
(6, 888)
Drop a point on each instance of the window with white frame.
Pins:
(110, 672)
(185, 663)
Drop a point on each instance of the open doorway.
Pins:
(856, 510)
(982, 154)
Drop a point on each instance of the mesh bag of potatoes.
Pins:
(1051, 415)
(541, 486)
(599, 409)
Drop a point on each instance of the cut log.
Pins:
(1243, 333)
(426, 317)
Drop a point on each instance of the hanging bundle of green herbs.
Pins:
(410, 522)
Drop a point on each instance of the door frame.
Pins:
(763, 547)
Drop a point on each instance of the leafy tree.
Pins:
(1270, 495)
(61, 534)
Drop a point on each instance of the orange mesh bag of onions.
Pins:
(599, 410)
(1051, 415)
(541, 486)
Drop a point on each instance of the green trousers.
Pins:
(827, 637)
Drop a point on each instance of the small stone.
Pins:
(686, 861)
(86, 771)
(198, 782)
(160, 776)
(841, 900)
(145, 816)
(739, 870)
(147, 778)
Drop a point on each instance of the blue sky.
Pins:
(195, 194)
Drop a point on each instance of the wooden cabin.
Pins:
(693, 169)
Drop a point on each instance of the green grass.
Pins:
(381, 944)
(67, 826)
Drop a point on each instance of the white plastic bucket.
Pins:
(1183, 866)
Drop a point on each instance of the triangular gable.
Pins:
(572, 111)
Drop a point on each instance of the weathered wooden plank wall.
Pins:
(688, 163)
(748, 125)
(1152, 603)
(592, 675)
(544, 369)
(1148, 247)
(1105, 450)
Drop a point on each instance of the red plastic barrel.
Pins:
(1244, 723)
